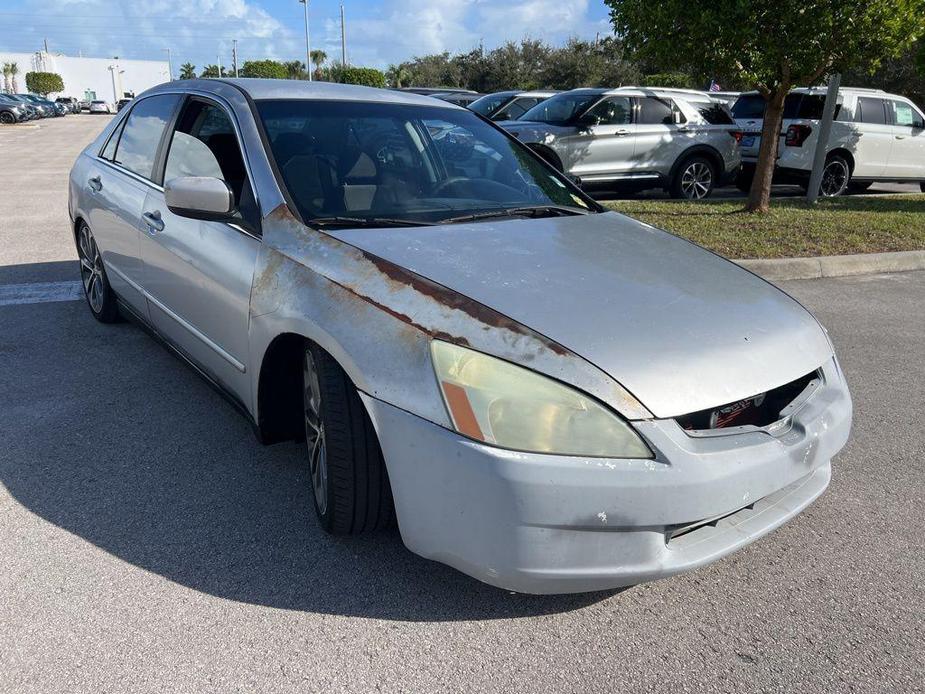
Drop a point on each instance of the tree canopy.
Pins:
(768, 45)
(268, 69)
(187, 71)
(44, 83)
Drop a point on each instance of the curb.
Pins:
(776, 269)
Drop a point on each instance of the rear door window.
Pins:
(517, 108)
(871, 111)
(654, 111)
(142, 133)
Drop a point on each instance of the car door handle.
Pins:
(96, 185)
(900, 137)
(153, 221)
(622, 133)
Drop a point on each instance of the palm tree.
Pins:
(187, 71)
(7, 71)
(14, 70)
(295, 69)
(318, 57)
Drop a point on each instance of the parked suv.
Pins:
(876, 136)
(682, 141)
(70, 103)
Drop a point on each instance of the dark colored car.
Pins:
(509, 105)
(12, 111)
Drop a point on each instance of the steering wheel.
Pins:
(483, 188)
(451, 181)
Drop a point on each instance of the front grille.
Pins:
(759, 410)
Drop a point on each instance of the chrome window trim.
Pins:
(219, 101)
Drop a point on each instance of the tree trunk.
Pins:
(759, 197)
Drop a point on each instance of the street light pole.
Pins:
(308, 50)
(169, 66)
(234, 55)
(343, 37)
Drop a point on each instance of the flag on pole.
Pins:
(714, 86)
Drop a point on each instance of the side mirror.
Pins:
(199, 197)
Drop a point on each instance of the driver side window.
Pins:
(204, 143)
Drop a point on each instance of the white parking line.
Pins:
(39, 293)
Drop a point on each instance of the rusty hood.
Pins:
(679, 327)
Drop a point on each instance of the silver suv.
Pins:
(876, 136)
(682, 141)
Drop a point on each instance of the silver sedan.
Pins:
(545, 395)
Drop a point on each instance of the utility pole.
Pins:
(219, 58)
(343, 37)
(822, 142)
(46, 45)
(234, 55)
(308, 51)
(169, 66)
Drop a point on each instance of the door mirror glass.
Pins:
(199, 197)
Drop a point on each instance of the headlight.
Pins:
(494, 401)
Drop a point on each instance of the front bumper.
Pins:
(556, 524)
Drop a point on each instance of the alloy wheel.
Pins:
(7, 118)
(696, 181)
(91, 269)
(835, 177)
(314, 432)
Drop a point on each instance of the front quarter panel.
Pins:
(378, 321)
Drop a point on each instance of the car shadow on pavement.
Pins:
(109, 437)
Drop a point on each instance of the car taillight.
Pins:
(736, 135)
(797, 134)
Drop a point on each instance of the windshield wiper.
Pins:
(534, 211)
(366, 222)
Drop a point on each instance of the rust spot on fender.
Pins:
(454, 300)
(436, 334)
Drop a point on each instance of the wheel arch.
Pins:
(702, 150)
(842, 152)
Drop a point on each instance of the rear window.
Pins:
(715, 114)
(749, 106)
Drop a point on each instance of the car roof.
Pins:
(539, 92)
(823, 88)
(259, 89)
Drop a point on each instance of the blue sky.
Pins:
(380, 32)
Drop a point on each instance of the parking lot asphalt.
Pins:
(148, 543)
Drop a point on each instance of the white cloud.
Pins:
(400, 29)
(198, 31)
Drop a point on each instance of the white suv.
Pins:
(683, 141)
(876, 136)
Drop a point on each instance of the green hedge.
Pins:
(44, 83)
(368, 76)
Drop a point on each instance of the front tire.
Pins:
(349, 482)
(100, 297)
(7, 118)
(694, 179)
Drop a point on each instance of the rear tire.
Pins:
(100, 297)
(694, 179)
(836, 177)
(744, 181)
(349, 482)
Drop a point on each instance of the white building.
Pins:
(108, 79)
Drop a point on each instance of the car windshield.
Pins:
(561, 108)
(489, 103)
(383, 164)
